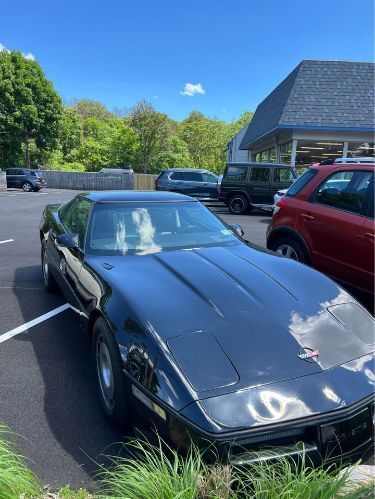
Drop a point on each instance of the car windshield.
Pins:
(122, 228)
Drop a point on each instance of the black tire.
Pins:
(238, 204)
(48, 279)
(27, 187)
(290, 248)
(112, 387)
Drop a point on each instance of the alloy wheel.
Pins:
(288, 251)
(105, 372)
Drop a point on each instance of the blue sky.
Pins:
(121, 51)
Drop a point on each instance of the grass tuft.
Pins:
(15, 477)
(153, 475)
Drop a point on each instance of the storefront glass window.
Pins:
(361, 149)
(316, 151)
(286, 153)
(264, 157)
(272, 155)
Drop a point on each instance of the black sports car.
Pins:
(204, 336)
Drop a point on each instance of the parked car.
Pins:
(245, 185)
(209, 339)
(191, 181)
(326, 220)
(26, 179)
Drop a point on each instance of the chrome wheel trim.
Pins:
(237, 204)
(105, 372)
(27, 187)
(288, 251)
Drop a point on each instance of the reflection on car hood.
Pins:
(261, 309)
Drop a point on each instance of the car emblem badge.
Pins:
(309, 355)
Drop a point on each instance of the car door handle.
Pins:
(258, 189)
(307, 216)
(370, 235)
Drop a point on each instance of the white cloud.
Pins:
(190, 89)
(28, 55)
(3, 48)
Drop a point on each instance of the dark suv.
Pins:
(245, 185)
(190, 181)
(26, 179)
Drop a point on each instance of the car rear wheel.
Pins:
(290, 248)
(49, 281)
(113, 391)
(27, 187)
(238, 204)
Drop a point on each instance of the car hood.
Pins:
(255, 310)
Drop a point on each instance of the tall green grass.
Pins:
(15, 477)
(154, 475)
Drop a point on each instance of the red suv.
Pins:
(326, 219)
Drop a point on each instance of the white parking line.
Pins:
(34, 322)
(7, 241)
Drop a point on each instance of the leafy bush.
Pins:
(15, 477)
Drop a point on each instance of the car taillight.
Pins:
(280, 204)
(157, 182)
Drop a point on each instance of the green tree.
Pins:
(94, 155)
(30, 109)
(88, 108)
(70, 131)
(153, 129)
(174, 155)
(123, 145)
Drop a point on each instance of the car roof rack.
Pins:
(355, 160)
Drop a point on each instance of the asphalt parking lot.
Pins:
(47, 391)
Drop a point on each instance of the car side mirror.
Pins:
(237, 229)
(69, 240)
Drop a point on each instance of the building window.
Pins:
(361, 149)
(257, 157)
(286, 153)
(316, 151)
(272, 155)
(264, 157)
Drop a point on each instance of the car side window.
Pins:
(281, 175)
(236, 173)
(18, 172)
(76, 219)
(209, 178)
(9, 172)
(193, 176)
(177, 176)
(344, 190)
(259, 175)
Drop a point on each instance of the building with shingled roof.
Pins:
(321, 110)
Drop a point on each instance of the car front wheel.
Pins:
(49, 281)
(113, 391)
(290, 248)
(238, 204)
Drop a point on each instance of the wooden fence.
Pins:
(92, 181)
(144, 182)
